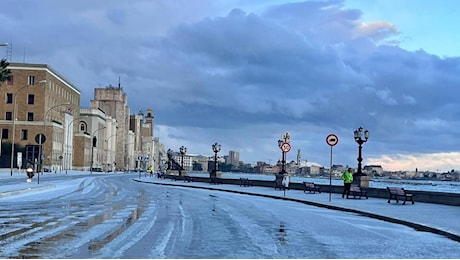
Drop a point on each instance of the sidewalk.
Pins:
(428, 217)
(434, 218)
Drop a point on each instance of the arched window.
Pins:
(83, 127)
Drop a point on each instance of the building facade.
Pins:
(37, 106)
(114, 103)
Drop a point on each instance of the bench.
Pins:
(399, 193)
(187, 179)
(245, 182)
(311, 187)
(357, 191)
(215, 180)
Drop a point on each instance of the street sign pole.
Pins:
(330, 177)
(331, 140)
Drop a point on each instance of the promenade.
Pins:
(426, 217)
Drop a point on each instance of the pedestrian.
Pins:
(347, 178)
(151, 170)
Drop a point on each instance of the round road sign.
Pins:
(332, 139)
(40, 138)
(285, 147)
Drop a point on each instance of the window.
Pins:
(24, 134)
(83, 127)
(30, 116)
(4, 133)
(31, 80)
(10, 80)
(31, 99)
(9, 98)
(8, 116)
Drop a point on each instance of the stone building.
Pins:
(113, 102)
(143, 128)
(37, 107)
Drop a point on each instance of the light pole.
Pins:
(14, 122)
(93, 144)
(183, 151)
(41, 151)
(215, 148)
(107, 153)
(358, 133)
(283, 156)
(68, 156)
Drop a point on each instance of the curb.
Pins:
(416, 226)
(14, 192)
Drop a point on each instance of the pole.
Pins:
(330, 177)
(360, 147)
(39, 157)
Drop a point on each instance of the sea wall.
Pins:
(445, 198)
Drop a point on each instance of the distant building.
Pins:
(233, 158)
(373, 170)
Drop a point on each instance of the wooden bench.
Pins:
(245, 182)
(311, 187)
(399, 193)
(357, 191)
(187, 179)
(279, 184)
(215, 180)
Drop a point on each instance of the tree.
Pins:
(4, 72)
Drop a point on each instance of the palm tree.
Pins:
(4, 72)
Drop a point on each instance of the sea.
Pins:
(382, 183)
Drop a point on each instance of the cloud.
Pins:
(215, 71)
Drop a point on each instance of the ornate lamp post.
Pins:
(283, 156)
(215, 148)
(359, 133)
(183, 151)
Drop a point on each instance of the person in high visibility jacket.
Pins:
(347, 178)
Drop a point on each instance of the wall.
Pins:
(445, 198)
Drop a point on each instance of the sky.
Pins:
(243, 72)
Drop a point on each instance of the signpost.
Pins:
(331, 140)
(40, 139)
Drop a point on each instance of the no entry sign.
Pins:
(332, 139)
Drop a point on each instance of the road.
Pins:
(112, 216)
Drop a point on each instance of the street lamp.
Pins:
(93, 144)
(359, 139)
(183, 151)
(109, 158)
(14, 121)
(41, 140)
(68, 159)
(283, 156)
(215, 148)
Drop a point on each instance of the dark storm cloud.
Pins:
(244, 78)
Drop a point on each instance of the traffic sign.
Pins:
(146, 158)
(285, 147)
(40, 138)
(139, 158)
(332, 139)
